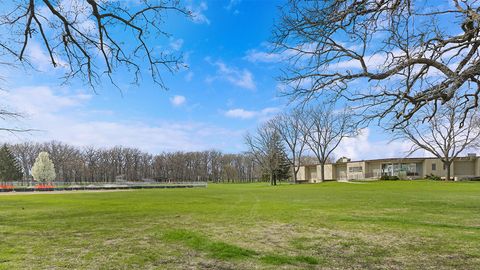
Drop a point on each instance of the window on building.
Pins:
(355, 169)
(408, 169)
(434, 166)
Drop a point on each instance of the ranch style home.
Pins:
(404, 168)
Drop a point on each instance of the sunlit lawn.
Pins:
(388, 225)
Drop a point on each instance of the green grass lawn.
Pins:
(377, 225)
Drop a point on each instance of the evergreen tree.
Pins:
(282, 165)
(43, 169)
(9, 167)
(269, 152)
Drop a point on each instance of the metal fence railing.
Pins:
(67, 186)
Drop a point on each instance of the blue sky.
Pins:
(228, 89)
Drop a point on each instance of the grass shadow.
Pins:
(225, 251)
(214, 249)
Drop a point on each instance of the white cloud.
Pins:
(67, 117)
(176, 44)
(198, 13)
(374, 61)
(266, 54)
(239, 77)
(240, 113)
(231, 6)
(246, 114)
(41, 100)
(40, 58)
(256, 56)
(178, 100)
(362, 147)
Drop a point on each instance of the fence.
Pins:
(71, 186)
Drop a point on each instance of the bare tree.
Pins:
(442, 136)
(289, 127)
(90, 164)
(91, 37)
(324, 129)
(266, 148)
(390, 58)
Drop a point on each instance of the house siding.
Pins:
(372, 169)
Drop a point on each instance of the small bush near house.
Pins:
(433, 177)
(389, 177)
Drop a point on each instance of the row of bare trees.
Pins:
(319, 130)
(446, 135)
(89, 164)
(411, 66)
(316, 131)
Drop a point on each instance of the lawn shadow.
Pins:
(225, 251)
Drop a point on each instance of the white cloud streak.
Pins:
(176, 44)
(198, 13)
(362, 147)
(66, 117)
(178, 100)
(248, 114)
(242, 78)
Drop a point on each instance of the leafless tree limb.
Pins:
(388, 58)
(289, 126)
(324, 129)
(442, 136)
(91, 38)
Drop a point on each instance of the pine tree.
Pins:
(283, 171)
(43, 169)
(282, 166)
(9, 167)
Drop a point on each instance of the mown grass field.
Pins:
(378, 225)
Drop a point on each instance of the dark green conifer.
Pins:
(9, 167)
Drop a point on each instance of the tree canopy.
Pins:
(43, 169)
(9, 167)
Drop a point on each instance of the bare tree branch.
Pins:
(324, 129)
(388, 58)
(92, 38)
(289, 127)
(442, 136)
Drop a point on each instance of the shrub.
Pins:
(433, 177)
(389, 177)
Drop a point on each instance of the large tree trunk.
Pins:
(271, 179)
(448, 170)
(322, 172)
(295, 171)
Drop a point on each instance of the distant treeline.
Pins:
(90, 164)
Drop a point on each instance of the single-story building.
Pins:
(404, 168)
